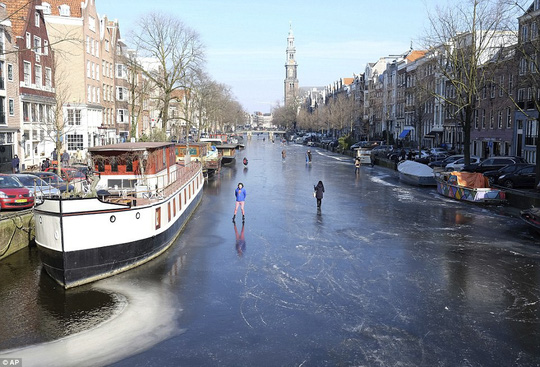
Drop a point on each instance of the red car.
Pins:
(13, 195)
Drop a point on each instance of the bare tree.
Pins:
(285, 116)
(174, 51)
(463, 36)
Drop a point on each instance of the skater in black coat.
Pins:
(319, 189)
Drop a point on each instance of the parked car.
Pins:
(437, 151)
(355, 146)
(81, 167)
(460, 163)
(13, 195)
(492, 163)
(68, 174)
(524, 177)
(53, 179)
(493, 176)
(445, 161)
(396, 155)
(437, 157)
(381, 150)
(37, 186)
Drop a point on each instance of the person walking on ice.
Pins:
(308, 156)
(240, 194)
(318, 193)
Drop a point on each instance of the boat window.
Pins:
(158, 218)
(169, 211)
(114, 164)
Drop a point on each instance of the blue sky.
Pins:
(246, 39)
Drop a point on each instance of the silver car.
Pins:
(458, 164)
(37, 186)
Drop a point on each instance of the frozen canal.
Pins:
(384, 275)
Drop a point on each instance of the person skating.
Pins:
(240, 194)
(357, 165)
(319, 190)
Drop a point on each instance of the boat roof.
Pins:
(130, 147)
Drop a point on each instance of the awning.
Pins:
(404, 133)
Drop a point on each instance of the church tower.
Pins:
(291, 80)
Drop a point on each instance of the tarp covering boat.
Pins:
(472, 180)
(415, 169)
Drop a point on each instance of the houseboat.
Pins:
(144, 198)
(468, 186)
(227, 151)
(202, 152)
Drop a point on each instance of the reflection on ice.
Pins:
(145, 316)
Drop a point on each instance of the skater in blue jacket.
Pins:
(240, 194)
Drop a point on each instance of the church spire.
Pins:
(291, 80)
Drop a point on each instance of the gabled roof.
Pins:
(415, 55)
(74, 6)
(18, 12)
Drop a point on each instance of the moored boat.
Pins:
(415, 173)
(145, 198)
(468, 186)
(532, 218)
(228, 153)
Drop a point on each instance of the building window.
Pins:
(39, 76)
(65, 10)
(508, 118)
(121, 94)
(74, 116)
(36, 19)
(27, 73)
(26, 112)
(11, 107)
(522, 66)
(92, 23)
(499, 120)
(122, 115)
(88, 72)
(120, 71)
(28, 41)
(530, 133)
(46, 8)
(524, 33)
(107, 45)
(491, 119)
(74, 142)
(48, 78)
(45, 47)
(10, 72)
(483, 119)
